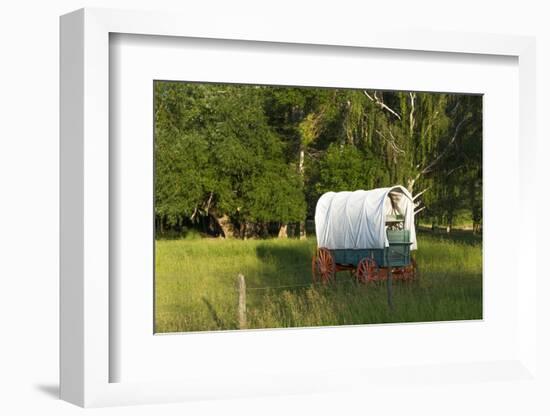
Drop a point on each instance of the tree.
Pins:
(242, 158)
(213, 144)
(275, 194)
(423, 134)
(346, 168)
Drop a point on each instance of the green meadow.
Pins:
(195, 285)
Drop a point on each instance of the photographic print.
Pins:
(281, 207)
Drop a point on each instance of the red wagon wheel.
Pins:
(367, 271)
(323, 266)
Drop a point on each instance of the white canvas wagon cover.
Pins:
(357, 220)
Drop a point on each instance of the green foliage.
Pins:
(275, 194)
(183, 175)
(215, 154)
(346, 168)
(261, 154)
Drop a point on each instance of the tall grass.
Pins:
(195, 286)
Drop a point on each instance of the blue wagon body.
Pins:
(398, 253)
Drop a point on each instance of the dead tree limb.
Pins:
(418, 210)
(436, 160)
(381, 104)
(420, 193)
(428, 168)
(391, 142)
(412, 95)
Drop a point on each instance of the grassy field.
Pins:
(195, 285)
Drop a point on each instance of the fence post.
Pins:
(241, 287)
(390, 289)
(389, 282)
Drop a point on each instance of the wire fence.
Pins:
(312, 284)
(332, 283)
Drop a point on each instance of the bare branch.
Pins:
(434, 162)
(431, 122)
(418, 210)
(381, 104)
(391, 142)
(420, 193)
(455, 107)
(392, 136)
(412, 95)
(194, 212)
(454, 169)
(207, 208)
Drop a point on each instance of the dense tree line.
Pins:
(243, 160)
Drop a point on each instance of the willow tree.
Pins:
(420, 133)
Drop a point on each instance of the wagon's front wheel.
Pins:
(367, 271)
(323, 266)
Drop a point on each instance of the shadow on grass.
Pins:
(284, 254)
(290, 264)
(287, 263)
(215, 317)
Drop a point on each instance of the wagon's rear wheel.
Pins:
(323, 266)
(367, 271)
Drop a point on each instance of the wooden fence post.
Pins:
(241, 286)
(389, 282)
(389, 288)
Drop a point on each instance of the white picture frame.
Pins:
(86, 356)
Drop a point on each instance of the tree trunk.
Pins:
(302, 230)
(450, 218)
(477, 227)
(250, 230)
(301, 162)
(283, 231)
(301, 171)
(410, 185)
(291, 231)
(225, 225)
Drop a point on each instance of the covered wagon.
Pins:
(370, 233)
